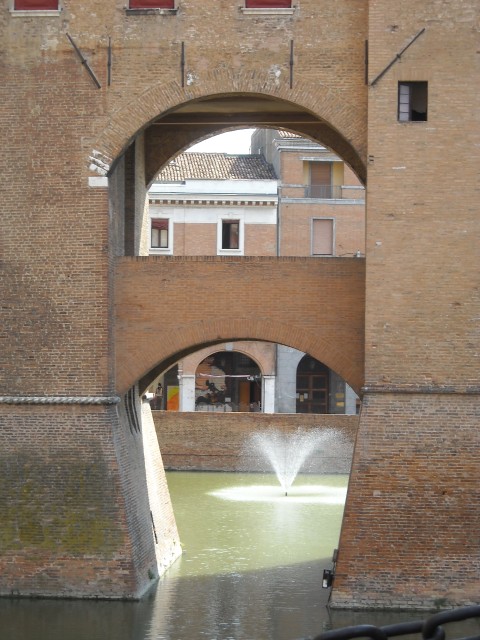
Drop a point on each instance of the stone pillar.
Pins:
(268, 405)
(187, 392)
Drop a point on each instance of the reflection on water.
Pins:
(251, 570)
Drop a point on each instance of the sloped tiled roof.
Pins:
(288, 134)
(216, 166)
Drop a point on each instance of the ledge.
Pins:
(151, 12)
(35, 13)
(268, 11)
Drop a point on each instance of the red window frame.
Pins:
(152, 4)
(35, 5)
(268, 4)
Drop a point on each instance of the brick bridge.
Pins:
(84, 318)
(167, 306)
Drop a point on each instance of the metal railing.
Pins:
(429, 629)
(324, 191)
(334, 192)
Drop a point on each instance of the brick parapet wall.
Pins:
(219, 441)
(260, 300)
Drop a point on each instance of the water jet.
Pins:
(286, 453)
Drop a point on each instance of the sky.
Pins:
(230, 142)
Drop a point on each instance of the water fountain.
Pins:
(287, 453)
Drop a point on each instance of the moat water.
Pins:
(251, 570)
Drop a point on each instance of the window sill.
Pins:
(230, 252)
(37, 13)
(268, 11)
(151, 12)
(160, 252)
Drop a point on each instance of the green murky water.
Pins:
(251, 570)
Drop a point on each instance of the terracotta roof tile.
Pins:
(216, 166)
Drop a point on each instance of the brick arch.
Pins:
(345, 133)
(196, 357)
(150, 360)
(260, 300)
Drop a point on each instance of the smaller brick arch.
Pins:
(192, 361)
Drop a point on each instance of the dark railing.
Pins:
(429, 629)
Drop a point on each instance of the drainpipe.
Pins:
(279, 198)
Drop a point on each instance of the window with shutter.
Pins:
(160, 235)
(268, 4)
(412, 101)
(230, 234)
(322, 237)
(321, 180)
(152, 4)
(35, 5)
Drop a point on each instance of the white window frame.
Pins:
(159, 251)
(268, 10)
(323, 255)
(406, 96)
(231, 217)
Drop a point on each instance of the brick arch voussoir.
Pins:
(191, 337)
(205, 352)
(331, 105)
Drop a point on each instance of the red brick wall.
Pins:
(412, 512)
(216, 441)
(166, 305)
(60, 235)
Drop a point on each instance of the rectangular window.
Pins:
(160, 235)
(268, 4)
(35, 5)
(230, 234)
(152, 4)
(412, 101)
(322, 237)
(321, 180)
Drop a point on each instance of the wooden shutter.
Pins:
(268, 4)
(152, 4)
(160, 233)
(322, 240)
(321, 179)
(35, 5)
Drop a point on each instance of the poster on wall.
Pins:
(172, 398)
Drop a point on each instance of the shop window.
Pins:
(35, 5)
(152, 4)
(160, 234)
(412, 101)
(268, 4)
(323, 237)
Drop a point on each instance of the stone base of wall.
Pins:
(206, 441)
(76, 515)
(410, 534)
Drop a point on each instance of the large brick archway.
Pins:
(340, 117)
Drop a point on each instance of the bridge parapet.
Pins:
(168, 306)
